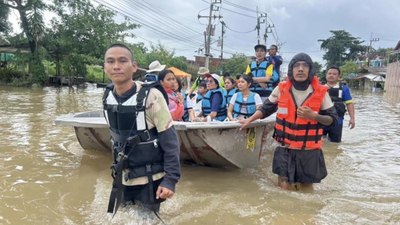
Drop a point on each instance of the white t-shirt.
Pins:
(192, 104)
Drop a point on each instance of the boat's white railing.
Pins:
(95, 119)
(220, 125)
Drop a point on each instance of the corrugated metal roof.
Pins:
(372, 77)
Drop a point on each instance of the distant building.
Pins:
(201, 61)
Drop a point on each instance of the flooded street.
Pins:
(46, 177)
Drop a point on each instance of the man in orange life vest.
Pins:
(303, 106)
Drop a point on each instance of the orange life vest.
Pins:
(299, 133)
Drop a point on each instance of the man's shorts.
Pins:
(299, 166)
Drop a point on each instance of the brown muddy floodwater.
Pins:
(46, 177)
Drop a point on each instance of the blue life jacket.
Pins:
(229, 95)
(259, 71)
(185, 116)
(199, 98)
(206, 104)
(250, 105)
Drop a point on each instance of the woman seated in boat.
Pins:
(244, 103)
(230, 87)
(194, 104)
(175, 103)
(214, 102)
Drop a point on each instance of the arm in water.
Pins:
(350, 109)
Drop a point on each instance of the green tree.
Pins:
(236, 64)
(30, 14)
(348, 68)
(158, 52)
(341, 47)
(318, 70)
(80, 34)
(4, 24)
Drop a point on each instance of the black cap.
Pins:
(260, 46)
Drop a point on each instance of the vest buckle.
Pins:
(146, 135)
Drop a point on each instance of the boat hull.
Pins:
(216, 144)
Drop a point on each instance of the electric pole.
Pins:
(268, 29)
(370, 48)
(210, 29)
(222, 39)
(260, 20)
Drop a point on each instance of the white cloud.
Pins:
(281, 12)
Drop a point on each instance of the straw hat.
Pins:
(155, 66)
(203, 70)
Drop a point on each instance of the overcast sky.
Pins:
(298, 25)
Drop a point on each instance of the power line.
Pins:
(154, 21)
(150, 25)
(242, 7)
(243, 32)
(154, 9)
(238, 13)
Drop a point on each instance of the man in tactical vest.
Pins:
(302, 107)
(146, 164)
(264, 77)
(341, 98)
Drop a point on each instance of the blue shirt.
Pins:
(276, 60)
(216, 101)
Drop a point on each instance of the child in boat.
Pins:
(194, 103)
(244, 103)
(230, 88)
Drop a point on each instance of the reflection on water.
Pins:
(46, 178)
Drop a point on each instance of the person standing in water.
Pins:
(145, 145)
(302, 107)
(341, 97)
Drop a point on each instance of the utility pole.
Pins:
(268, 29)
(210, 29)
(222, 39)
(370, 48)
(260, 20)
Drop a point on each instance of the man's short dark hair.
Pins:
(276, 47)
(263, 47)
(226, 74)
(119, 45)
(335, 68)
